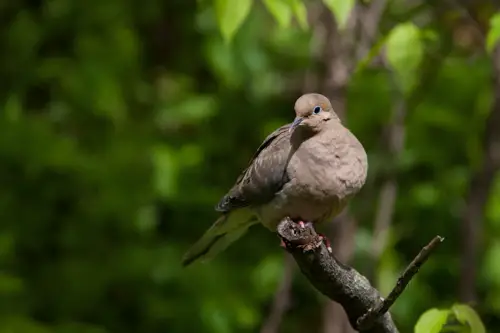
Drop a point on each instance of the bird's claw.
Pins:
(325, 240)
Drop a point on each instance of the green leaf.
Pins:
(494, 33)
(341, 9)
(431, 321)
(466, 315)
(281, 10)
(166, 170)
(13, 108)
(266, 276)
(404, 50)
(300, 11)
(231, 15)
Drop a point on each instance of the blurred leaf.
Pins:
(466, 315)
(247, 316)
(431, 321)
(426, 194)
(7, 243)
(494, 33)
(224, 63)
(231, 15)
(281, 10)
(12, 109)
(267, 275)
(300, 11)
(341, 9)
(404, 51)
(146, 219)
(493, 206)
(10, 284)
(20, 324)
(165, 164)
(190, 155)
(79, 328)
(491, 268)
(215, 317)
(23, 36)
(429, 35)
(191, 109)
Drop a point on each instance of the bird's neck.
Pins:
(302, 134)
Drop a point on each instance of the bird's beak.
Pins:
(295, 123)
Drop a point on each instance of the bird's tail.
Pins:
(227, 229)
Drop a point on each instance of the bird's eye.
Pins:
(317, 109)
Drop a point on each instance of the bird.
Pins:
(306, 170)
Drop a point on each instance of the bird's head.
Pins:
(312, 111)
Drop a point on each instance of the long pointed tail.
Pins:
(227, 229)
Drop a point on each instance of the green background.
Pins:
(123, 122)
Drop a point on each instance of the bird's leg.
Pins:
(326, 241)
(282, 244)
(323, 238)
(303, 224)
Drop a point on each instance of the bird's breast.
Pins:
(330, 168)
(324, 174)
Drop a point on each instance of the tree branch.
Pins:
(367, 311)
(368, 318)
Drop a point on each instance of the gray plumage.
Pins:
(307, 170)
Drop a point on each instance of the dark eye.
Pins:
(317, 109)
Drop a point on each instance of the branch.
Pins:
(343, 284)
(368, 318)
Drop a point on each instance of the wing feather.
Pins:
(264, 176)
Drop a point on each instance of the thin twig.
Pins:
(369, 318)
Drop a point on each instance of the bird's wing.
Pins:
(264, 176)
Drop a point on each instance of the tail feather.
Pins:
(227, 229)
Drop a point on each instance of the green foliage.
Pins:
(431, 321)
(281, 11)
(341, 9)
(460, 318)
(494, 32)
(300, 11)
(230, 15)
(404, 53)
(468, 317)
(123, 123)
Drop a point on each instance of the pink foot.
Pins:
(327, 242)
(282, 244)
(303, 224)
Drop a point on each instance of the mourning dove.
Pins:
(307, 171)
